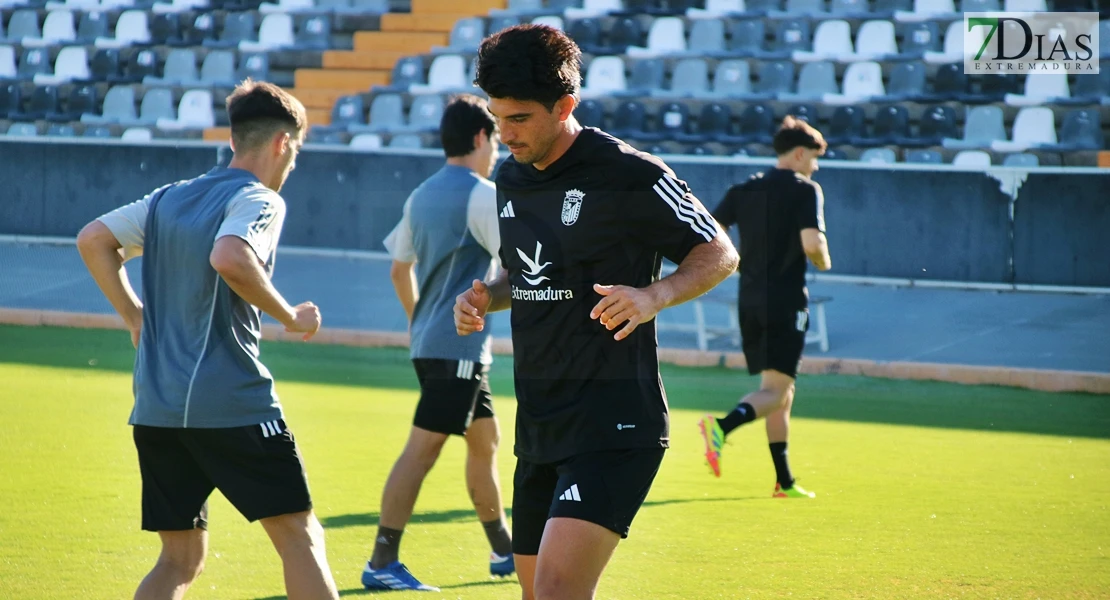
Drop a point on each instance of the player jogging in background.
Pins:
(781, 219)
(585, 220)
(206, 415)
(448, 232)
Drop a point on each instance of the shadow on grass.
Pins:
(650, 503)
(370, 519)
(716, 390)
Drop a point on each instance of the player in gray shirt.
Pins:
(447, 237)
(206, 415)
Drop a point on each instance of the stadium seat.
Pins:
(407, 72)
(907, 82)
(369, 7)
(238, 28)
(714, 123)
(505, 21)
(180, 69)
(845, 125)
(97, 131)
(366, 141)
(931, 157)
(1089, 89)
(835, 154)
(387, 113)
(23, 130)
(465, 35)
(775, 78)
(954, 44)
(406, 141)
(60, 130)
(137, 134)
(105, 66)
(892, 123)
(624, 33)
(804, 7)
(878, 156)
(1042, 88)
(862, 81)
(82, 99)
(314, 33)
(755, 124)
(746, 38)
(1081, 130)
(345, 113)
(980, 5)
(629, 120)
(803, 112)
(43, 101)
(447, 73)
(119, 107)
(646, 76)
(195, 111)
(935, 125)
(790, 36)
(177, 6)
(690, 79)
(256, 66)
(732, 79)
(666, 36)
(218, 69)
(585, 32)
(815, 80)
(286, 6)
(33, 61)
(983, 126)
(1021, 160)
(590, 113)
(426, 113)
(132, 27)
(11, 99)
(929, 9)
(672, 120)
(831, 40)
(874, 41)
(275, 32)
(604, 76)
(8, 69)
(593, 8)
(919, 38)
(707, 37)
(972, 158)
(850, 9)
(157, 103)
(520, 7)
(553, 21)
(23, 24)
(716, 9)
(91, 26)
(58, 28)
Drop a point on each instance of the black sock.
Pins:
(782, 465)
(498, 537)
(743, 413)
(386, 546)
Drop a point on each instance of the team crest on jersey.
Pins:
(572, 206)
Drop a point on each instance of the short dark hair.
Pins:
(795, 133)
(466, 116)
(529, 62)
(257, 110)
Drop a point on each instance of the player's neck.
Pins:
(566, 138)
(461, 161)
(785, 165)
(253, 165)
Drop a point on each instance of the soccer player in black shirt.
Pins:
(585, 221)
(781, 219)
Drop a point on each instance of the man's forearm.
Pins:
(249, 282)
(103, 260)
(703, 268)
(404, 284)
(820, 257)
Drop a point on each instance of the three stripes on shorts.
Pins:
(465, 369)
(271, 428)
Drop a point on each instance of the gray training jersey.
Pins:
(449, 229)
(197, 364)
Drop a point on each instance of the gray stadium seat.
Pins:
(690, 78)
(92, 25)
(931, 157)
(23, 24)
(919, 38)
(815, 79)
(1081, 130)
(255, 66)
(746, 37)
(314, 33)
(406, 140)
(466, 35)
(338, 6)
(34, 61)
(878, 155)
(238, 28)
(907, 81)
(180, 69)
(132, 27)
(23, 130)
(376, 7)
(805, 6)
(849, 8)
(497, 23)
(646, 76)
(407, 72)
(157, 104)
(119, 106)
(707, 36)
(387, 112)
(980, 5)
(983, 126)
(426, 113)
(218, 68)
(775, 78)
(732, 78)
(1021, 160)
(60, 130)
(366, 141)
(97, 131)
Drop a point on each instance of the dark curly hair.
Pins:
(795, 132)
(529, 62)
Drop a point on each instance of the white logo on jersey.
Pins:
(534, 266)
(507, 212)
(572, 206)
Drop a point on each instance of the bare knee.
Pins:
(183, 554)
(483, 438)
(295, 531)
(423, 453)
(551, 584)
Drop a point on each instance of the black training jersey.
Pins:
(603, 213)
(771, 209)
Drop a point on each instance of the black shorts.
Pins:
(606, 488)
(257, 468)
(452, 394)
(773, 339)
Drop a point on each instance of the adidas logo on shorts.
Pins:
(571, 494)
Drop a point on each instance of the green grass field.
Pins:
(925, 490)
